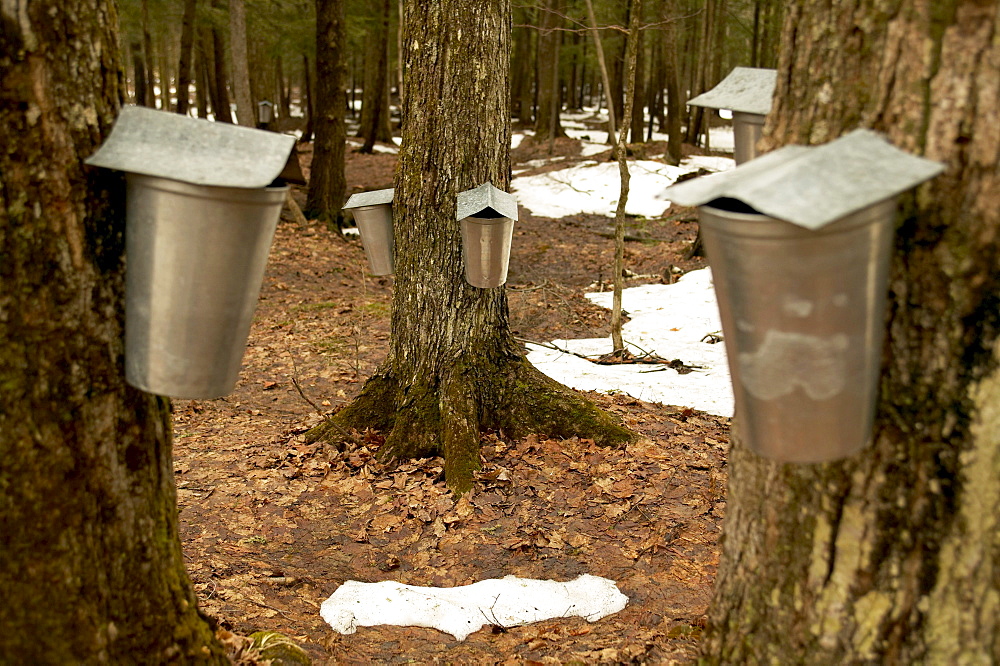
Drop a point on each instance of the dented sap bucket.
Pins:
(803, 314)
(486, 243)
(747, 128)
(486, 215)
(200, 217)
(373, 215)
(196, 258)
(799, 241)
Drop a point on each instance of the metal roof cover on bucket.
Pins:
(192, 150)
(373, 198)
(486, 196)
(746, 90)
(814, 186)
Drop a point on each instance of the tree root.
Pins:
(445, 415)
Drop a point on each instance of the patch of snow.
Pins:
(709, 162)
(667, 320)
(593, 187)
(459, 611)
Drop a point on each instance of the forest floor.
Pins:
(271, 526)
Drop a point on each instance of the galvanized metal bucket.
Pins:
(803, 313)
(747, 128)
(196, 256)
(375, 226)
(486, 243)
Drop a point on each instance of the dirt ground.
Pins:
(272, 526)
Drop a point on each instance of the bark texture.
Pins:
(327, 183)
(547, 122)
(246, 114)
(453, 366)
(91, 565)
(892, 556)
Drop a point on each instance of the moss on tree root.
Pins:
(445, 415)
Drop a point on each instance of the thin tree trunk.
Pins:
(603, 67)
(327, 184)
(147, 48)
(220, 97)
(547, 125)
(184, 62)
(307, 133)
(246, 114)
(891, 556)
(632, 55)
(142, 84)
(202, 85)
(636, 81)
(375, 120)
(91, 570)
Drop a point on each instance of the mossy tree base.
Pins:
(446, 415)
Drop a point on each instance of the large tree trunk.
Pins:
(327, 184)
(375, 121)
(453, 366)
(91, 566)
(891, 556)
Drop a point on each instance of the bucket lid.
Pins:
(486, 201)
(373, 198)
(814, 186)
(746, 89)
(192, 150)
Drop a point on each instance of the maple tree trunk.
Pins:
(890, 556)
(453, 366)
(327, 183)
(91, 566)
(220, 90)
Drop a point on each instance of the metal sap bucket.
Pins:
(373, 215)
(486, 243)
(486, 215)
(803, 313)
(196, 256)
(747, 128)
(375, 226)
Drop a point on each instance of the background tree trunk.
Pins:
(142, 86)
(453, 366)
(220, 90)
(184, 62)
(92, 570)
(547, 124)
(327, 184)
(891, 556)
(375, 120)
(246, 114)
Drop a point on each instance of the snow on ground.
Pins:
(667, 320)
(459, 611)
(592, 187)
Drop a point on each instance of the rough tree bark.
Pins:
(453, 366)
(327, 183)
(891, 556)
(92, 570)
(375, 121)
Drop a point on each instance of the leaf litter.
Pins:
(271, 526)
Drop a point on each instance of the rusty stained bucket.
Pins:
(486, 243)
(803, 312)
(196, 256)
